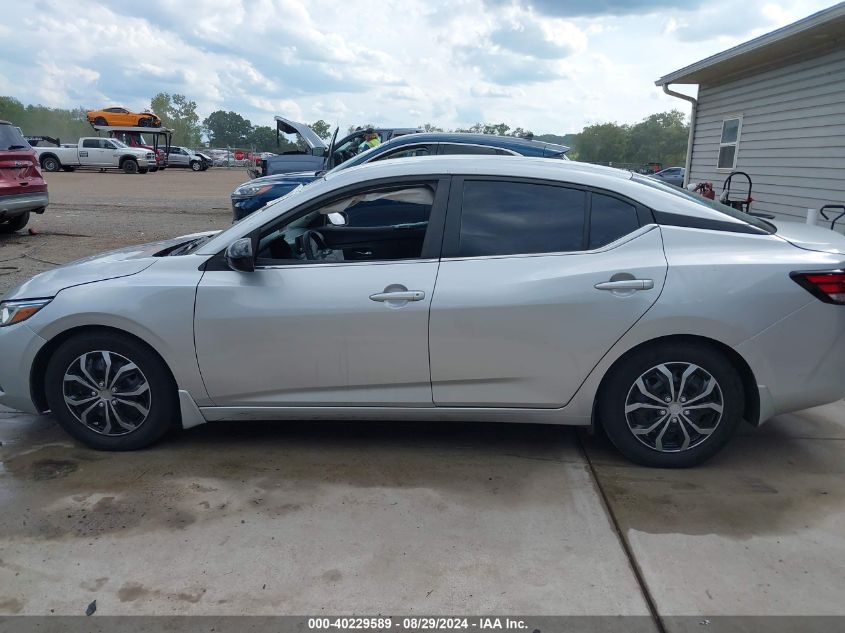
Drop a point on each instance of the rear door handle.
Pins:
(626, 284)
(402, 295)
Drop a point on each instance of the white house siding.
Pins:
(792, 141)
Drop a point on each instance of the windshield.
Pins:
(11, 138)
(705, 202)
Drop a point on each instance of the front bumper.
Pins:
(11, 206)
(18, 348)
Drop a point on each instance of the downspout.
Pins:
(691, 138)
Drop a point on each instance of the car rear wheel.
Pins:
(130, 166)
(110, 392)
(15, 224)
(50, 163)
(671, 406)
(100, 121)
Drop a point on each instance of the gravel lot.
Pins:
(367, 518)
(91, 212)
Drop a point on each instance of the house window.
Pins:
(729, 143)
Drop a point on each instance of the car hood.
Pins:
(111, 265)
(811, 238)
(292, 127)
(286, 177)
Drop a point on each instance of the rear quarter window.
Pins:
(610, 219)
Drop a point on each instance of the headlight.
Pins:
(12, 312)
(248, 190)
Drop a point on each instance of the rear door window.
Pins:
(510, 218)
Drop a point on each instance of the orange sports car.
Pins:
(123, 117)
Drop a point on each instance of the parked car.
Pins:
(253, 195)
(672, 175)
(314, 156)
(185, 157)
(93, 151)
(137, 140)
(208, 160)
(22, 187)
(122, 116)
(445, 288)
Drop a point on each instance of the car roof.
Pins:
(516, 143)
(2, 122)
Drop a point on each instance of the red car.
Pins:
(136, 139)
(22, 188)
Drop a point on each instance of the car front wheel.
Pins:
(110, 392)
(671, 405)
(196, 165)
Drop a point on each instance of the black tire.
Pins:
(130, 166)
(50, 163)
(621, 385)
(163, 408)
(142, 170)
(15, 224)
(196, 165)
(145, 122)
(100, 121)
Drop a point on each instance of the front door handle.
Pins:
(626, 284)
(400, 295)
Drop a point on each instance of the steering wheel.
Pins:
(313, 243)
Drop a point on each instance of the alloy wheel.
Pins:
(107, 392)
(674, 407)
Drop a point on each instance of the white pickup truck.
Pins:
(93, 151)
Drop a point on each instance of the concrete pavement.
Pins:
(313, 518)
(309, 518)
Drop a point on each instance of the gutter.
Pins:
(692, 116)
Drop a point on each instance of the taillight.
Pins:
(827, 285)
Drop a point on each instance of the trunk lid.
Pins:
(308, 135)
(19, 171)
(810, 238)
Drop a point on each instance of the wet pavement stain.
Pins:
(52, 468)
(752, 489)
(10, 605)
(132, 591)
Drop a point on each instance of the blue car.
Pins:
(254, 194)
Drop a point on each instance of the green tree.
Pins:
(262, 138)
(227, 129)
(603, 143)
(659, 138)
(179, 114)
(37, 120)
(322, 129)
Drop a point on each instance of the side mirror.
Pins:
(239, 255)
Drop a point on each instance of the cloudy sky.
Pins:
(544, 65)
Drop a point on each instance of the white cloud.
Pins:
(544, 65)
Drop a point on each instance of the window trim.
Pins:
(452, 231)
(735, 144)
(496, 150)
(432, 243)
(405, 148)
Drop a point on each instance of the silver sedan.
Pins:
(451, 288)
